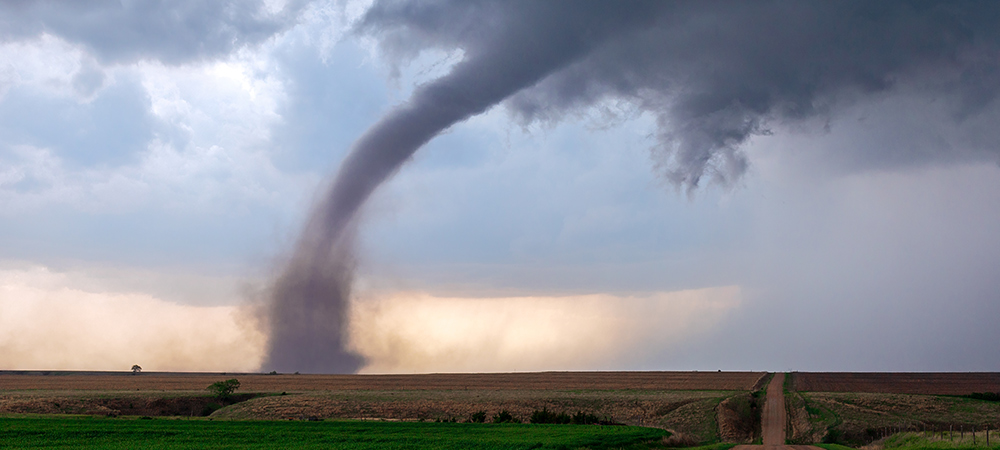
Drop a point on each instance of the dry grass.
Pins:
(688, 412)
(860, 418)
(684, 402)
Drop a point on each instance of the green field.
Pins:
(939, 441)
(112, 433)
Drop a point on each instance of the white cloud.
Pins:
(414, 332)
(86, 320)
(48, 323)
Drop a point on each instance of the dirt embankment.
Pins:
(801, 430)
(739, 418)
(134, 405)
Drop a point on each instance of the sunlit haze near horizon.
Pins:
(691, 186)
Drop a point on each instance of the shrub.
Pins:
(224, 389)
(546, 416)
(582, 418)
(988, 396)
(478, 417)
(505, 416)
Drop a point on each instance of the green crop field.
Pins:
(118, 433)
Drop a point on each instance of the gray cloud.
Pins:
(173, 32)
(713, 73)
(717, 73)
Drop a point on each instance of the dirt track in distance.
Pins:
(773, 420)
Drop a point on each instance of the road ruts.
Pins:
(773, 420)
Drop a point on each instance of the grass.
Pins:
(859, 418)
(933, 441)
(104, 433)
(833, 447)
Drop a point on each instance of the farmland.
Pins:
(933, 383)
(84, 433)
(694, 407)
(685, 402)
(858, 408)
(161, 381)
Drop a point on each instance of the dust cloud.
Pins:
(48, 321)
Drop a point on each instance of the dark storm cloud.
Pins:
(716, 73)
(173, 32)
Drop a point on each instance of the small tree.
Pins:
(224, 389)
(136, 369)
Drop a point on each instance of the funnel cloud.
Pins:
(713, 74)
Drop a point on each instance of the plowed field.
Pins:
(939, 383)
(121, 381)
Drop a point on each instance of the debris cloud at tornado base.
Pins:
(713, 74)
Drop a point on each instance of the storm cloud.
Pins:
(716, 73)
(864, 134)
(713, 74)
(168, 31)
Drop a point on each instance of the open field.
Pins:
(160, 381)
(935, 383)
(685, 402)
(103, 433)
(944, 441)
(696, 407)
(860, 418)
(689, 412)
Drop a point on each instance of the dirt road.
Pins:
(773, 420)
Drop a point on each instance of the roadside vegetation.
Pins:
(857, 419)
(932, 440)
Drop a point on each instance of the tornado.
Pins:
(712, 74)
(307, 306)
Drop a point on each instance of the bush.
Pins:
(582, 418)
(546, 416)
(478, 417)
(224, 389)
(988, 396)
(505, 416)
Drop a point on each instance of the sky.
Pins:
(666, 186)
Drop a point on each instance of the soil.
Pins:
(684, 402)
(196, 382)
(773, 418)
(663, 409)
(938, 383)
(131, 405)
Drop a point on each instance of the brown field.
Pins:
(935, 383)
(126, 381)
(684, 402)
